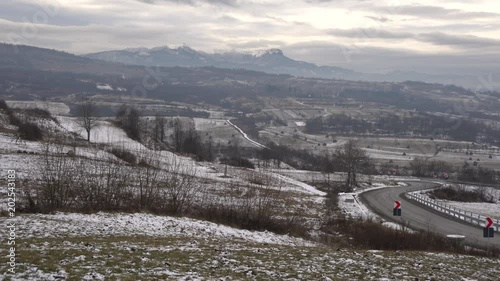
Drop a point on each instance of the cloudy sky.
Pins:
(445, 36)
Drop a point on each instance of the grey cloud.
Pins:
(456, 27)
(54, 14)
(370, 33)
(94, 38)
(423, 11)
(437, 38)
(228, 19)
(256, 44)
(230, 3)
(379, 19)
(381, 60)
(453, 40)
(330, 1)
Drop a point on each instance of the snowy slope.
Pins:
(106, 224)
(107, 133)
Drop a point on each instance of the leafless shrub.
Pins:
(177, 188)
(258, 177)
(149, 181)
(55, 176)
(30, 131)
(254, 208)
(124, 155)
(3, 105)
(106, 186)
(79, 184)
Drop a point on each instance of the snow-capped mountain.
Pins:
(270, 61)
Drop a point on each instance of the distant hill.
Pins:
(271, 61)
(130, 62)
(33, 58)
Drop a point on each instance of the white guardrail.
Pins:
(469, 217)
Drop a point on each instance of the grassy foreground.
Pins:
(174, 258)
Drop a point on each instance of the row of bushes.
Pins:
(421, 167)
(237, 161)
(62, 183)
(421, 124)
(253, 218)
(78, 184)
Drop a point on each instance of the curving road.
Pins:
(418, 217)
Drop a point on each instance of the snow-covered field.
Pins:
(138, 224)
(486, 209)
(223, 131)
(391, 155)
(103, 132)
(121, 246)
(491, 209)
(56, 108)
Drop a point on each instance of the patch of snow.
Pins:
(302, 187)
(55, 108)
(106, 224)
(93, 276)
(106, 87)
(486, 209)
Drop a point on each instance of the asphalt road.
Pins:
(419, 217)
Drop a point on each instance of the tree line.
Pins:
(423, 124)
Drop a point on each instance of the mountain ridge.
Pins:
(273, 61)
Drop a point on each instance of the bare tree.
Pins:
(330, 166)
(128, 118)
(209, 150)
(159, 128)
(179, 187)
(149, 177)
(86, 117)
(351, 159)
(178, 135)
